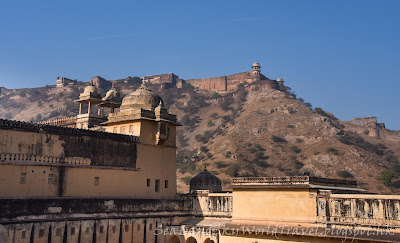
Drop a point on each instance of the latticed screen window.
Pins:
(122, 130)
(130, 129)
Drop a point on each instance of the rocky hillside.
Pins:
(250, 132)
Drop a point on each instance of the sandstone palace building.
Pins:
(109, 175)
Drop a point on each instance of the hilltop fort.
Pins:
(220, 84)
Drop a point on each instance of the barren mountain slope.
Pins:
(274, 135)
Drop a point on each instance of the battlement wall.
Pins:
(161, 78)
(62, 82)
(28, 140)
(365, 120)
(376, 130)
(226, 83)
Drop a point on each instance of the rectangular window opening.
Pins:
(41, 233)
(166, 184)
(148, 182)
(50, 179)
(157, 186)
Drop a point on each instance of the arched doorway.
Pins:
(208, 241)
(191, 240)
(174, 239)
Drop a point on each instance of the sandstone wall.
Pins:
(216, 84)
(227, 83)
(369, 126)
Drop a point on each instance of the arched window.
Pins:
(174, 239)
(191, 240)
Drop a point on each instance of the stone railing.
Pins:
(65, 121)
(219, 204)
(290, 180)
(359, 209)
(9, 157)
(206, 204)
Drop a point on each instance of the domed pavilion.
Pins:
(205, 181)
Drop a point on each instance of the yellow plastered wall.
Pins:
(128, 128)
(274, 204)
(36, 182)
(146, 131)
(18, 142)
(153, 162)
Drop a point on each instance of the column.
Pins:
(90, 108)
(80, 108)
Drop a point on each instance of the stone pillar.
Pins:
(80, 108)
(90, 108)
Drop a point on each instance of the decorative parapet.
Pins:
(214, 205)
(219, 204)
(65, 121)
(31, 127)
(10, 157)
(360, 209)
(291, 181)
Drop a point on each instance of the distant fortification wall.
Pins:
(62, 82)
(226, 83)
(370, 126)
(168, 80)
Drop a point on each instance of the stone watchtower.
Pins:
(256, 68)
(256, 72)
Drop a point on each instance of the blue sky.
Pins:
(342, 56)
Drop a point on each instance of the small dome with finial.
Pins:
(205, 181)
(280, 79)
(113, 95)
(142, 98)
(90, 89)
